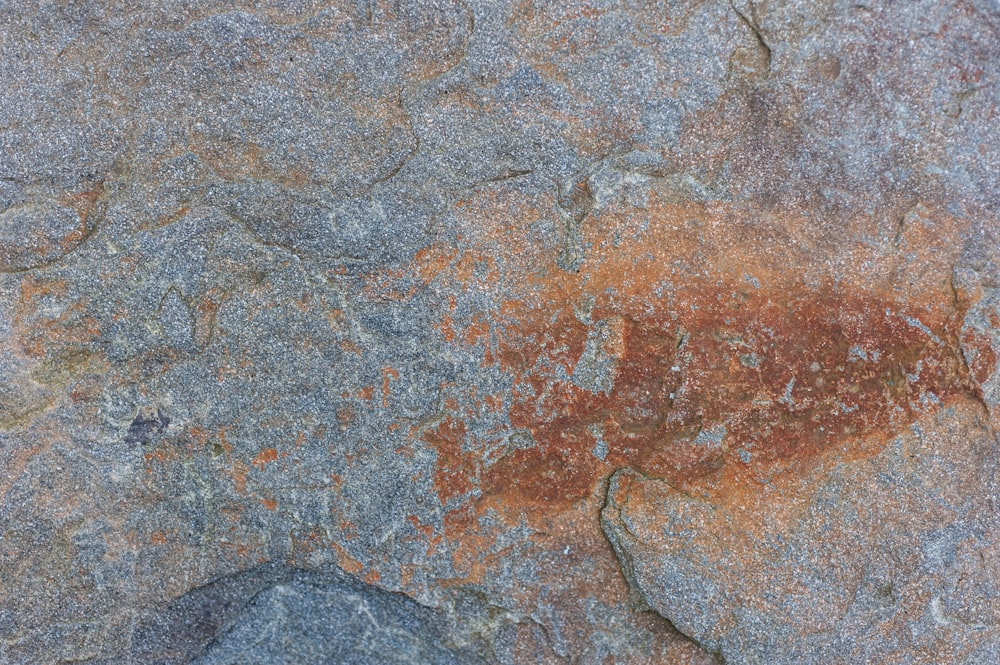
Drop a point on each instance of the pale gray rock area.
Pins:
(831, 579)
(214, 419)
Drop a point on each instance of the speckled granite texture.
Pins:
(501, 332)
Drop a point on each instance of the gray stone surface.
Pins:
(306, 303)
(275, 614)
(815, 569)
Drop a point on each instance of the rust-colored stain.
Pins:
(690, 341)
(84, 201)
(456, 469)
(40, 334)
(264, 456)
(720, 374)
(344, 560)
(388, 375)
(238, 473)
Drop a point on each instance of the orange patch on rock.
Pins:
(455, 473)
(719, 374)
(388, 375)
(42, 334)
(431, 260)
(264, 456)
(345, 561)
(694, 337)
(239, 475)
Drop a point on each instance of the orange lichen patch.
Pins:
(37, 333)
(447, 328)
(474, 555)
(426, 529)
(345, 416)
(264, 456)
(87, 390)
(344, 560)
(724, 372)
(347, 529)
(71, 329)
(336, 318)
(431, 260)
(239, 551)
(403, 283)
(35, 288)
(71, 239)
(83, 202)
(388, 375)
(162, 453)
(695, 337)
(389, 286)
(199, 435)
(456, 468)
(240, 159)
(206, 312)
(478, 332)
(270, 504)
(350, 347)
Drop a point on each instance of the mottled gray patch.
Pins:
(276, 614)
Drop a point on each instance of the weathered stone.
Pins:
(306, 301)
(274, 614)
(873, 557)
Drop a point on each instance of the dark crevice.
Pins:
(756, 33)
(626, 565)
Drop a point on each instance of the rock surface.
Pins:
(508, 332)
(887, 558)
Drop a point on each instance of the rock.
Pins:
(275, 614)
(305, 301)
(33, 235)
(813, 567)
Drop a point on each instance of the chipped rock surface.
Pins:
(502, 331)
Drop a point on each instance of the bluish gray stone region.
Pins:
(195, 197)
(830, 579)
(276, 614)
